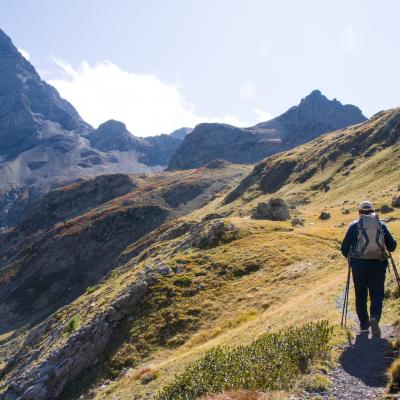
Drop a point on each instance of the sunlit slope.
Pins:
(191, 285)
(303, 271)
(360, 161)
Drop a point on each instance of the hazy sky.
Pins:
(161, 64)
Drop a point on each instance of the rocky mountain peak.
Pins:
(315, 95)
(6, 46)
(316, 101)
(181, 133)
(113, 126)
(29, 105)
(113, 135)
(313, 116)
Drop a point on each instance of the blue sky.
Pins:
(158, 65)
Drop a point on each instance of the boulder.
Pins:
(396, 201)
(324, 216)
(205, 236)
(386, 209)
(297, 222)
(211, 216)
(275, 210)
(345, 211)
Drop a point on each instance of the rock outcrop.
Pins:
(72, 237)
(47, 377)
(275, 210)
(396, 201)
(314, 116)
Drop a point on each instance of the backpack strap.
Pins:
(380, 232)
(361, 230)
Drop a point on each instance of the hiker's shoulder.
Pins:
(353, 224)
(383, 223)
(352, 228)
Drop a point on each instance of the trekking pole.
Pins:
(396, 273)
(346, 300)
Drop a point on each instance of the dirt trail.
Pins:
(362, 370)
(361, 373)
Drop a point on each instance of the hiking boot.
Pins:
(364, 328)
(375, 330)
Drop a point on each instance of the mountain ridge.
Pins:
(314, 116)
(45, 144)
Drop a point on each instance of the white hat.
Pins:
(366, 206)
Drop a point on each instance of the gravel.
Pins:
(361, 371)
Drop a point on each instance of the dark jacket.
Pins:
(350, 241)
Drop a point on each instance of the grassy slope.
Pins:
(302, 270)
(274, 275)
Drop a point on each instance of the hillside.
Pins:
(213, 276)
(71, 238)
(314, 116)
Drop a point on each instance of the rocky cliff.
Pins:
(314, 116)
(44, 143)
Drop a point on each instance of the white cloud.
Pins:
(143, 102)
(24, 53)
(349, 38)
(262, 116)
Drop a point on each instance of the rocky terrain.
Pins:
(314, 116)
(45, 144)
(156, 270)
(72, 237)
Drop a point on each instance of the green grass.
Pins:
(72, 324)
(272, 362)
(90, 290)
(316, 383)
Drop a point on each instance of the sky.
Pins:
(159, 65)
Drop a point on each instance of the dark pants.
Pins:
(372, 280)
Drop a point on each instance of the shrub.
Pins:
(72, 324)
(394, 376)
(392, 290)
(90, 289)
(316, 383)
(113, 274)
(272, 362)
(183, 281)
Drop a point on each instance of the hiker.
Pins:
(365, 245)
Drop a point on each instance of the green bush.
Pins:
(72, 324)
(90, 289)
(113, 274)
(183, 281)
(272, 362)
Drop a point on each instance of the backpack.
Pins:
(370, 243)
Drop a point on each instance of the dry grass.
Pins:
(272, 277)
(246, 395)
(394, 376)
